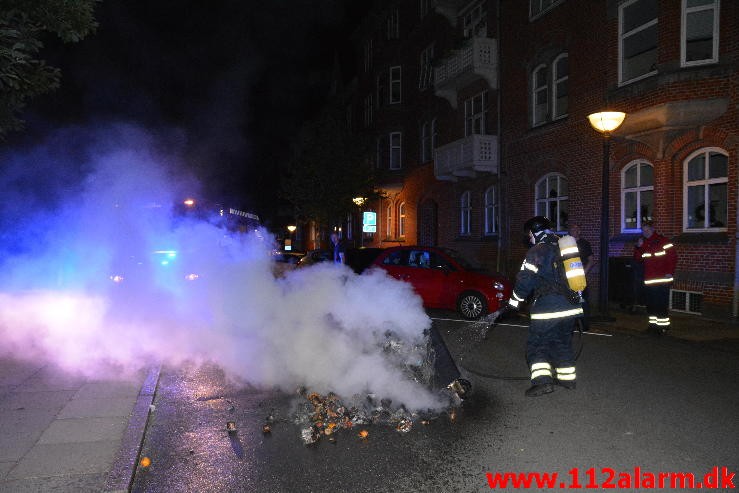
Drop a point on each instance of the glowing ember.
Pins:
(363, 434)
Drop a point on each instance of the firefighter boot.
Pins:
(539, 389)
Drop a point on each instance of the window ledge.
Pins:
(721, 238)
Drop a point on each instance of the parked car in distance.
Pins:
(284, 261)
(362, 258)
(314, 257)
(445, 280)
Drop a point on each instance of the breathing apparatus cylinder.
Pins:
(572, 263)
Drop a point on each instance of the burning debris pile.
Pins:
(324, 415)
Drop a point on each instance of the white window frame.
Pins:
(393, 24)
(465, 213)
(622, 36)
(368, 55)
(537, 8)
(389, 219)
(543, 205)
(368, 110)
(706, 183)
(423, 8)
(401, 220)
(475, 20)
(557, 81)
(535, 91)
(686, 11)
(395, 84)
(396, 150)
(491, 211)
(474, 117)
(425, 67)
(638, 190)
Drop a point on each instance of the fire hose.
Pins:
(490, 321)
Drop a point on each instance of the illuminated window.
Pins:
(465, 213)
(491, 212)
(552, 200)
(401, 220)
(706, 190)
(637, 195)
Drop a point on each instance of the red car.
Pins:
(445, 280)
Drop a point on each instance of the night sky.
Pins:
(237, 78)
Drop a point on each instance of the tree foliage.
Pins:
(330, 168)
(23, 23)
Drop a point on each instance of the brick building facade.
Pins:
(479, 110)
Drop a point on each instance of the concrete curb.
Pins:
(120, 476)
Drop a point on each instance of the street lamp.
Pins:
(605, 122)
(359, 201)
(289, 242)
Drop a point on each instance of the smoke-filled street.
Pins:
(657, 405)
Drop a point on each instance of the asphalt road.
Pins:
(661, 405)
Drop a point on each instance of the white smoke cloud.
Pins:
(322, 327)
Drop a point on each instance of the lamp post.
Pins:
(291, 228)
(605, 122)
(359, 201)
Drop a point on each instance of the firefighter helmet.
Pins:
(537, 224)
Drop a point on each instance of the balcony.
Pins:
(477, 60)
(466, 157)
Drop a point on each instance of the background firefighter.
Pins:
(554, 309)
(658, 256)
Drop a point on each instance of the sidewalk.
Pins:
(64, 433)
(683, 326)
(61, 433)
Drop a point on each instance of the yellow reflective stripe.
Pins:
(575, 273)
(541, 373)
(662, 321)
(517, 297)
(513, 303)
(566, 376)
(569, 250)
(658, 280)
(644, 255)
(668, 245)
(659, 254)
(567, 369)
(562, 314)
(652, 318)
(530, 267)
(540, 365)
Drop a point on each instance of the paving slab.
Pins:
(80, 430)
(14, 445)
(79, 483)
(97, 408)
(36, 401)
(65, 459)
(106, 390)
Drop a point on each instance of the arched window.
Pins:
(465, 211)
(552, 199)
(389, 221)
(705, 193)
(540, 95)
(491, 212)
(401, 220)
(637, 195)
(560, 79)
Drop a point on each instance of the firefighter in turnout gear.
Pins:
(659, 258)
(554, 307)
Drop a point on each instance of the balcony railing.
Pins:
(466, 157)
(477, 60)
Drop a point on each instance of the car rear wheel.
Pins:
(472, 305)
